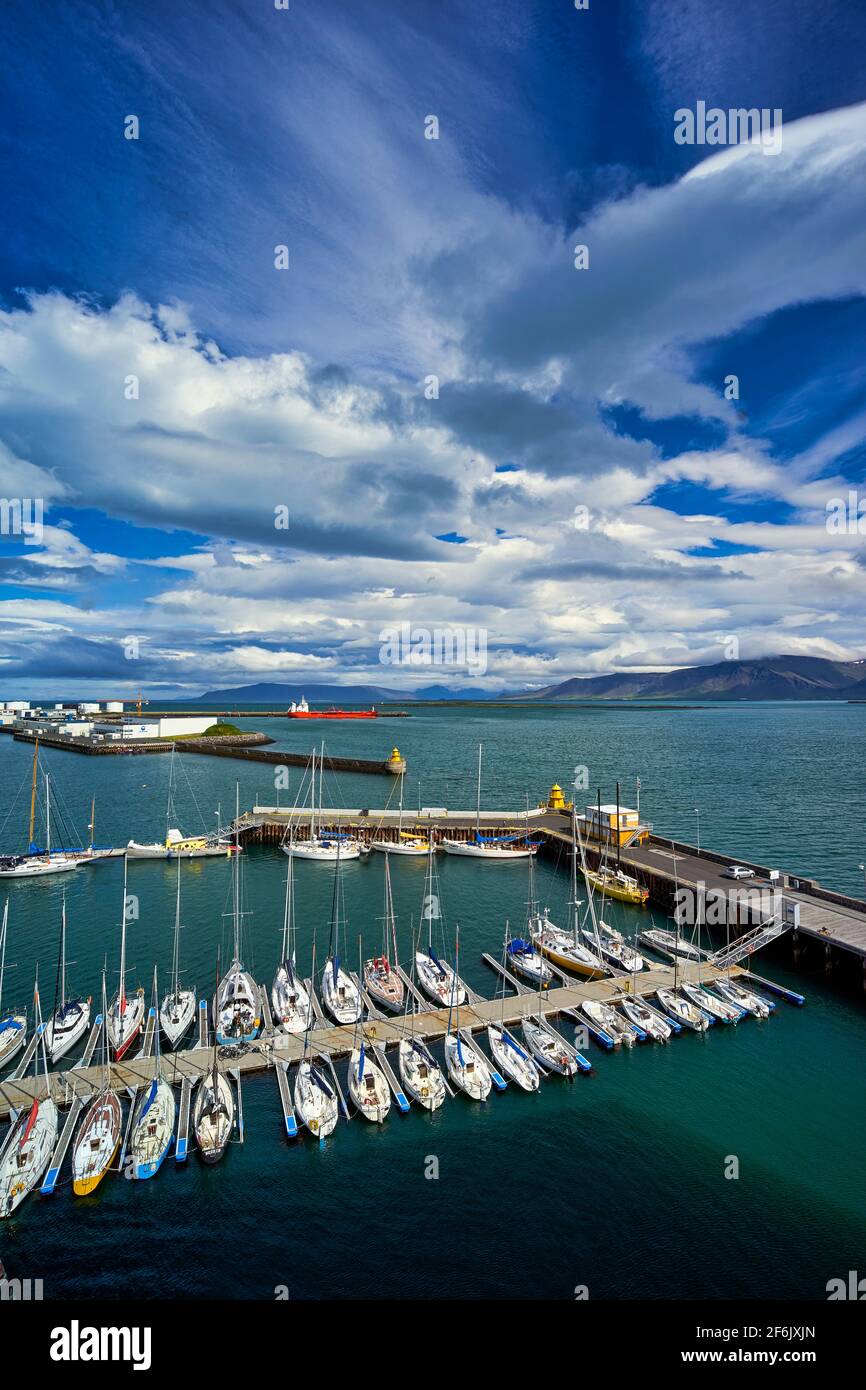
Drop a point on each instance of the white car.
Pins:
(738, 871)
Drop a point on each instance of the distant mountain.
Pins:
(268, 692)
(769, 678)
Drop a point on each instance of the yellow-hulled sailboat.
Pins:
(613, 883)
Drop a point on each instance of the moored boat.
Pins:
(717, 1008)
(466, 1067)
(687, 1014)
(669, 943)
(420, 1073)
(638, 1012)
(381, 979)
(742, 998)
(367, 1086)
(13, 1023)
(30, 1139)
(290, 998)
(315, 1099)
(605, 1017)
(71, 1017)
(213, 1114)
(99, 1134)
(512, 1059)
(549, 1053)
(125, 1015)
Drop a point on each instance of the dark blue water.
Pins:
(617, 1181)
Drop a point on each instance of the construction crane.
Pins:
(128, 700)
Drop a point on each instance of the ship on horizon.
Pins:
(301, 710)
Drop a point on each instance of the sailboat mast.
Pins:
(175, 964)
(478, 799)
(47, 817)
(63, 953)
(3, 946)
(236, 899)
(33, 795)
(288, 916)
(121, 994)
(92, 826)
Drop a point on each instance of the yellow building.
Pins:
(609, 825)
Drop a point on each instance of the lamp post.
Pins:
(698, 819)
(863, 871)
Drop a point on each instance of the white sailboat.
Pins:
(177, 1010)
(669, 943)
(290, 998)
(742, 998)
(125, 1015)
(30, 1140)
(420, 1072)
(315, 1098)
(36, 862)
(340, 995)
(380, 975)
(718, 1009)
(406, 842)
(237, 1002)
(638, 1012)
(546, 1045)
(368, 1085)
(466, 1067)
(605, 1017)
(435, 976)
(521, 954)
(513, 1061)
(613, 947)
(502, 849)
(322, 846)
(683, 1011)
(153, 1124)
(213, 1112)
(13, 1024)
(99, 1134)
(71, 1017)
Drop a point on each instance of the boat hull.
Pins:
(473, 1075)
(96, 1144)
(316, 1107)
(13, 1031)
(26, 1154)
(519, 1069)
(152, 1132)
(491, 854)
(420, 1076)
(393, 847)
(63, 1034)
(176, 1015)
(373, 1101)
(124, 1028)
(325, 852)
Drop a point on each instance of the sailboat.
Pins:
(521, 955)
(289, 995)
(720, 1009)
(406, 842)
(99, 1135)
(71, 1016)
(466, 1067)
(511, 1058)
(125, 1016)
(177, 1010)
(237, 1003)
(545, 1044)
(381, 980)
(496, 849)
(153, 1121)
(564, 948)
(605, 1017)
(683, 1011)
(213, 1112)
(435, 976)
(37, 862)
(320, 845)
(30, 1140)
(613, 947)
(368, 1085)
(669, 943)
(315, 1098)
(420, 1072)
(13, 1025)
(176, 844)
(742, 998)
(638, 1012)
(340, 994)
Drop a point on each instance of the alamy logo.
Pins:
(737, 126)
(77, 1343)
(21, 1290)
(853, 1288)
(22, 516)
(461, 647)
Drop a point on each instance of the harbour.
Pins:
(737, 1071)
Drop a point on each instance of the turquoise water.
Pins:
(617, 1181)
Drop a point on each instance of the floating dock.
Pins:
(331, 1041)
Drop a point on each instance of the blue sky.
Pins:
(304, 388)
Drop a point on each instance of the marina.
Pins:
(499, 1000)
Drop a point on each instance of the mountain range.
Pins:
(766, 678)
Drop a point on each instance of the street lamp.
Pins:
(698, 819)
(863, 871)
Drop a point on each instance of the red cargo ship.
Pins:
(302, 710)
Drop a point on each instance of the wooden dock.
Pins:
(332, 1041)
